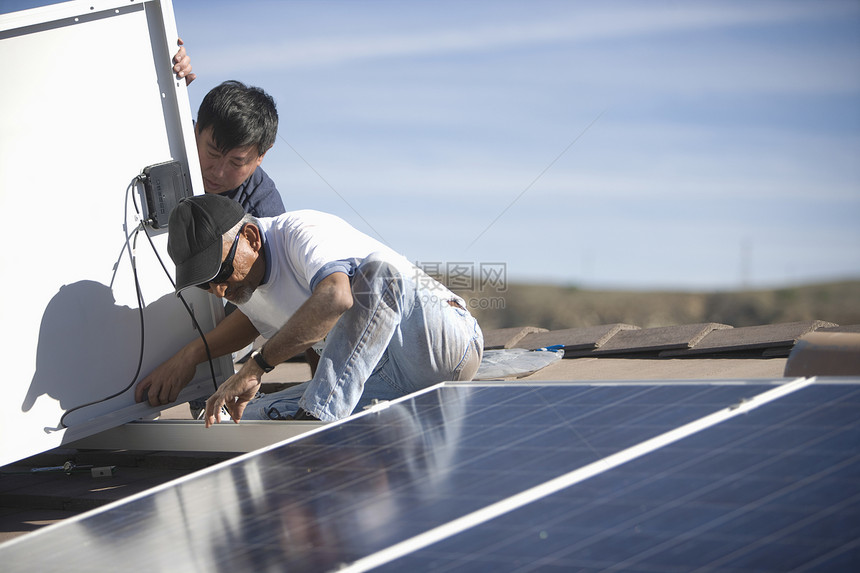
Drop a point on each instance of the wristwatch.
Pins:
(257, 355)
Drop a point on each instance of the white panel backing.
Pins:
(88, 100)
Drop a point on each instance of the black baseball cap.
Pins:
(195, 236)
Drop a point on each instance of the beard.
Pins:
(241, 295)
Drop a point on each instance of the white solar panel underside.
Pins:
(513, 477)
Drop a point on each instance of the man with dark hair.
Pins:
(298, 279)
(236, 126)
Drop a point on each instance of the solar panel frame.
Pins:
(348, 491)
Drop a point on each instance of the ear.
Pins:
(260, 158)
(254, 236)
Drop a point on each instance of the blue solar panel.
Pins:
(378, 480)
(776, 489)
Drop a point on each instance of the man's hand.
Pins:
(235, 394)
(182, 64)
(163, 384)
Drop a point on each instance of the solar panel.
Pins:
(511, 477)
(777, 489)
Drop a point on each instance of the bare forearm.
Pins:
(231, 334)
(300, 333)
(163, 384)
(312, 321)
(309, 324)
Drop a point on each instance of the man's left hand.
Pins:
(235, 394)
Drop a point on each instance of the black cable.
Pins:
(131, 250)
(140, 302)
(187, 308)
(140, 305)
(173, 284)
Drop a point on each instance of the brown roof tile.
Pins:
(507, 337)
(765, 338)
(586, 338)
(657, 339)
(841, 328)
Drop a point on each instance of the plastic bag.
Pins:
(516, 362)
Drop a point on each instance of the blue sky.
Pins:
(651, 144)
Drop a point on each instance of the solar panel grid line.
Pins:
(827, 511)
(811, 519)
(514, 441)
(658, 397)
(691, 403)
(614, 406)
(716, 382)
(597, 394)
(347, 484)
(689, 497)
(346, 440)
(846, 406)
(570, 423)
(390, 468)
(235, 461)
(258, 525)
(689, 534)
(514, 392)
(631, 422)
(656, 477)
(417, 483)
(549, 487)
(825, 558)
(312, 458)
(556, 558)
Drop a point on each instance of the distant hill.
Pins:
(555, 307)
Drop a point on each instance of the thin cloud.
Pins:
(631, 21)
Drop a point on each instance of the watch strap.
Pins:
(257, 355)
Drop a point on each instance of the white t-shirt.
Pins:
(302, 248)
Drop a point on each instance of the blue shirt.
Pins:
(258, 195)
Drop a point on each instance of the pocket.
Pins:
(468, 365)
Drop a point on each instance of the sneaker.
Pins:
(302, 414)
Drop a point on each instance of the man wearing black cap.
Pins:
(298, 279)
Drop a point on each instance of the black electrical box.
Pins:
(164, 185)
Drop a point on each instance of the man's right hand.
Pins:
(182, 64)
(163, 384)
(234, 394)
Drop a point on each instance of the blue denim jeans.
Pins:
(401, 334)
